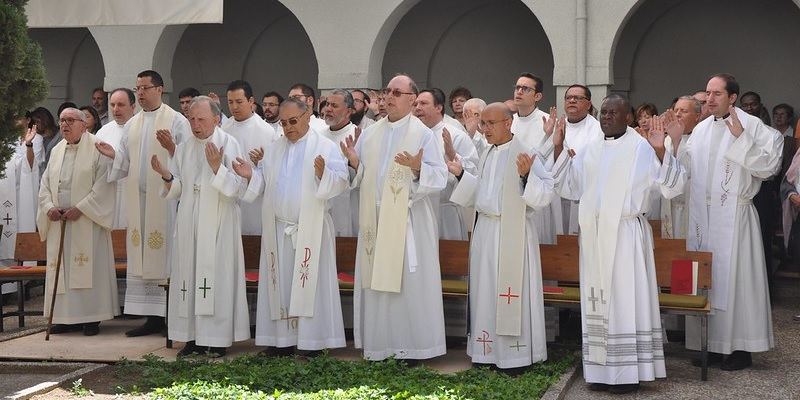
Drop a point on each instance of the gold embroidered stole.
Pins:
(147, 247)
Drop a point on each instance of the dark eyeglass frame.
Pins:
(395, 92)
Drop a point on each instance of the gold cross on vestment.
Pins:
(197, 188)
(81, 259)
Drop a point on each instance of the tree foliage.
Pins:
(22, 79)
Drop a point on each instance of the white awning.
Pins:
(83, 13)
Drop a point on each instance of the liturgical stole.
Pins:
(598, 237)
(8, 198)
(309, 233)
(385, 241)
(81, 245)
(147, 246)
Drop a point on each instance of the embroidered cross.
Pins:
(518, 345)
(81, 259)
(8, 219)
(197, 188)
(204, 288)
(594, 300)
(291, 322)
(272, 272)
(508, 295)
(484, 339)
(183, 290)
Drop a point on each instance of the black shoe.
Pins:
(153, 325)
(60, 328)
(309, 353)
(599, 387)
(217, 351)
(411, 362)
(737, 360)
(191, 348)
(713, 359)
(277, 352)
(622, 389)
(91, 328)
(516, 371)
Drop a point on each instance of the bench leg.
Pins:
(704, 347)
(21, 303)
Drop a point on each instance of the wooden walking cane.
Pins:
(55, 283)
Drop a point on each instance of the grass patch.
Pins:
(326, 377)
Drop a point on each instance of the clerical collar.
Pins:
(530, 114)
(723, 117)
(582, 120)
(614, 137)
(501, 145)
(400, 122)
(155, 109)
(347, 125)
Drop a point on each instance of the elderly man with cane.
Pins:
(76, 212)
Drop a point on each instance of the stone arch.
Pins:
(670, 47)
(261, 42)
(474, 43)
(73, 64)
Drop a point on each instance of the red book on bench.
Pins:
(251, 276)
(684, 277)
(552, 290)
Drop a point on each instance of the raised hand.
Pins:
(214, 97)
(256, 155)
(471, 122)
(549, 122)
(454, 166)
(559, 128)
(213, 156)
(407, 160)
(449, 151)
(105, 149)
(319, 166)
(242, 169)
(641, 131)
(524, 163)
(733, 123)
(30, 134)
(373, 101)
(357, 134)
(674, 127)
(155, 163)
(348, 148)
(656, 135)
(164, 137)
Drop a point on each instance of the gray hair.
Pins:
(698, 108)
(348, 97)
(299, 104)
(475, 102)
(81, 115)
(211, 103)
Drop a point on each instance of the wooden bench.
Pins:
(28, 247)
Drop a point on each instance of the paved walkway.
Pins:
(774, 374)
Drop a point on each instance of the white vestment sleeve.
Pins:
(758, 150)
(433, 172)
(464, 192)
(256, 185)
(118, 169)
(539, 190)
(566, 176)
(671, 176)
(335, 177)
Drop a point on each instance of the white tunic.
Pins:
(252, 133)
(530, 130)
(101, 301)
(409, 324)
(317, 123)
(634, 339)
(277, 127)
(745, 323)
(675, 211)
(112, 134)
(449, 214)
(326, 328)
(343, 207)
(485, 193)
(365, 122)
(576, 137)
(20, 189)
(230, 320)
(145, 297)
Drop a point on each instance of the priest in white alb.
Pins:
(253, 135)
(19, 190)
(207, 299)
(507, 326)
(75, 191)
(398, 292)
(614, 180)
(729, 155)
(336, 113)
(533, 127)
(154, 131)
(453, 142)
(121, 107)
(298, 289)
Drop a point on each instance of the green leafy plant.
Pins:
(78, 390)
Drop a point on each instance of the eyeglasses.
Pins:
(265, 105)
(524, 89)
(298, 97)
(486, 124)
(575, 97)
(286, 122)
(394, 92)
(68, 121)
(358, 101)
(142, 88)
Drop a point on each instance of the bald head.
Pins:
(496, 120)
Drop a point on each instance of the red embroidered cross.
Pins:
(484, 339)
(508, 295)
